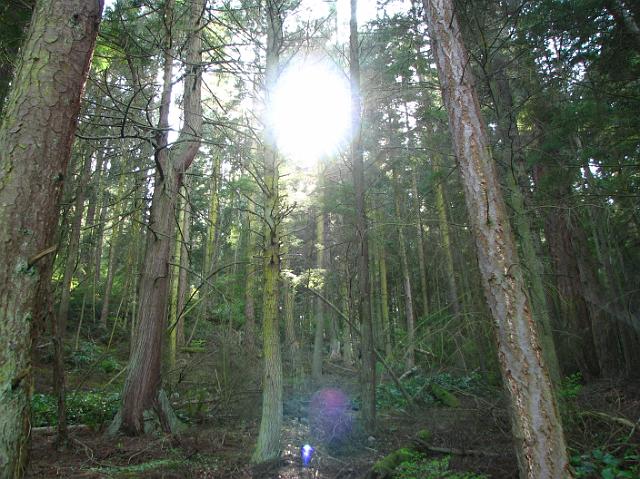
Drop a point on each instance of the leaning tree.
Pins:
(36, 134)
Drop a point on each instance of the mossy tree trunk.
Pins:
(268, 444)
(35, 141)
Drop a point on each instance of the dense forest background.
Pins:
(209, 302)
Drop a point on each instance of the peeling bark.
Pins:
(537, 429)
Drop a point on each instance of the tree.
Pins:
(540, 448)
(368, 371)
(142, 389)
(14, 18)
(268, 446)
(36, 134)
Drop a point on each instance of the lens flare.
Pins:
(310, 111)
(305, 452)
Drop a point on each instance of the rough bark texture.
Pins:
(384, 300)
(540, 445)
(35, 141)
(268, 446)
(143, 382)
(368, 371)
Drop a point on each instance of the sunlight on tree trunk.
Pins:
(536, 423)
(268, 445)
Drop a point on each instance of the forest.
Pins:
(331, 239)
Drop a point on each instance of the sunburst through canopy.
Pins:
(310, 111)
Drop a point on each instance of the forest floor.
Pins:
(224, 420)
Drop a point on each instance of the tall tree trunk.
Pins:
(292, 344)
(318, 338)
(208, 264)
(560, 230)
(368, 371)
(65, 296)
(406, 278)
(536, 424)
(516, 177)
(142, 388)
(443, 223)
(384, 300)
(174, 310)
(183, 278)
(36, 134)
(250, 289)
(347, 337)
(268, 445)
(422, 263)
(116, 228)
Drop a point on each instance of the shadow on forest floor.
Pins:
(219, 445)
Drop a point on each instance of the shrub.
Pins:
(84, 407)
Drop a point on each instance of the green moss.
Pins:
(385, 467)
(424, 435)
(444, 396)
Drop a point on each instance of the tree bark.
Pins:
(142, 388)
(268, 445)
(540, 444)
(35, 141)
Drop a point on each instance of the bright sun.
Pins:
(310, 110)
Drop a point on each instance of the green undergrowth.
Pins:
(598, 463)
(83, 407)
(420, 387)
(90, 354)
(405, 463)
(419, 466)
